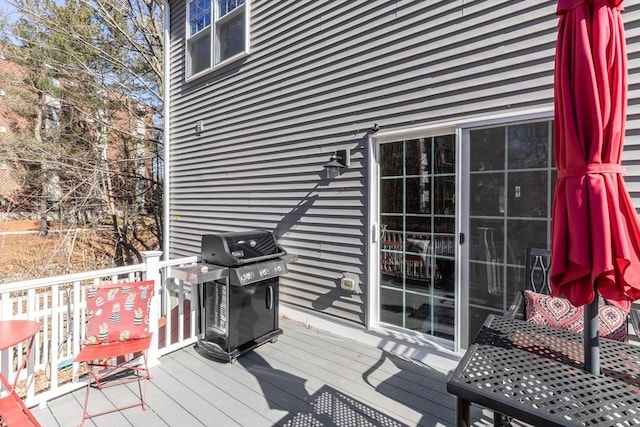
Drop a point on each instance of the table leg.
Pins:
(463, 412)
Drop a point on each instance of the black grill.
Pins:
(238, 248)
(240, 310)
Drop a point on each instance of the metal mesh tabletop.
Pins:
(535, 374)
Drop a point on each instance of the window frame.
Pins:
(211, 32)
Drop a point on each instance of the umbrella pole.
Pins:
(592, 337)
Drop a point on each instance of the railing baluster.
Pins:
(45, 300)
(32, 309)
(55, 334)
(78, 331)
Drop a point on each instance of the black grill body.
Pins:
(240, 311)
(238, 248)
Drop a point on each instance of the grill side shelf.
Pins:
(200, 273)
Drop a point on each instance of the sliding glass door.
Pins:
(417, 215)
(455, 227)
(510, 184)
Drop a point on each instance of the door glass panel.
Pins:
(392, 307)
(444, 158)
(510, 186)
(417, 149)
(444, 194)
(487, 149)
(528, 194)
(391, 156)
(418, 195)
(523, 234)
(486, 194)
(528, 145)
(391, 196)
(417, 250)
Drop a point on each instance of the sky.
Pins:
(7, 11)
(10, 12)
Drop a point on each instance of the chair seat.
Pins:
(113, 349)
(13, 412)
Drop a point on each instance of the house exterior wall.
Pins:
(319, 76)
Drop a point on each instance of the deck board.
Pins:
(308, 378)
(390, 375)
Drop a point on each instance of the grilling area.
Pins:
(237, 292)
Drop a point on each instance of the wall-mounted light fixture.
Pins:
(199, 127)
(338, 161)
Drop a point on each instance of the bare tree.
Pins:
(93, 70)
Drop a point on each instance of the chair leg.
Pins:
(85, 407)
(144, 377)
(500, 420)
(141, 372)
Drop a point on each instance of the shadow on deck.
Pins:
(308, 378)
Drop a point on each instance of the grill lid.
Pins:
(241, 247)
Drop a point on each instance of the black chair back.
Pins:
(537, 270)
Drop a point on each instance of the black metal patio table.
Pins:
(535, 374)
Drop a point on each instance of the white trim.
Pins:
(414, 347)
(213, 28)
(372, 291)
(451, 126)
(167, 128)
(462, 249)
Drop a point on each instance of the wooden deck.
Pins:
(308, 378)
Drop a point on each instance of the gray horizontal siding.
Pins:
(319, 75)
(631, 155)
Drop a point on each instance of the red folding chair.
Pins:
(117, 339)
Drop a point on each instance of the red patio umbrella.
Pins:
(595, 244)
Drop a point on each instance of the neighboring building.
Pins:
(127, 128)
(10, 125)
(445, 109)
(131, 131)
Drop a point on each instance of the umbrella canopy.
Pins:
(595, 229)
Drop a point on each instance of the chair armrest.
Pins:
(516, 305)
(634, 315)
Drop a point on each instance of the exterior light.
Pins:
(338, 161)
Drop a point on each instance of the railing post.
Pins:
(152, 272)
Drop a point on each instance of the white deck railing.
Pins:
(58, 303)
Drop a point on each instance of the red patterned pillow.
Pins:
(558, 312)
(118, 312)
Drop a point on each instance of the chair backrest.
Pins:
(536, 278)
(557, 311)
(537, 270)
(118, 312)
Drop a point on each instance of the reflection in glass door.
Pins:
(417, 247)
(511, 179)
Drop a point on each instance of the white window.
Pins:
(141, 128)
(53, 108)
(217, 33)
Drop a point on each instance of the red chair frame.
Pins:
(106, 361)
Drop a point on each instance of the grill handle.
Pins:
(242, 261)
(269, 297)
